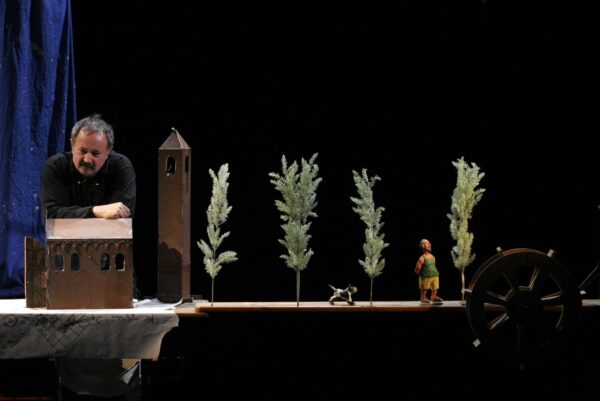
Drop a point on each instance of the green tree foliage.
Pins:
(217, 213)
(464, 198)
(298, 186)
(373, 263)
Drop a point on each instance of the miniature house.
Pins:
(174, 193)
(89, 263)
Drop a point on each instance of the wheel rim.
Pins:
(523, 306)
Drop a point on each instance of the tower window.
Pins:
(171, 165)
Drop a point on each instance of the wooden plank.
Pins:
(35, 273)
(325, 307)
(358, 307)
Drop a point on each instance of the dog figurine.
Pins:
(342, 295)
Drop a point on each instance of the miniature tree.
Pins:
(371, 216)
(298, 190)
(465, 196)
(217, 213)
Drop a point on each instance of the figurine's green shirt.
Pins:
(428, 269)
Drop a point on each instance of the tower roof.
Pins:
(175, 141)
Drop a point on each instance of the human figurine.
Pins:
(429, 277)
(342, 295)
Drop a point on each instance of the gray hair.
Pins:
(422, 242)
(94, 123)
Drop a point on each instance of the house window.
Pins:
(120, 261)
(59, 262)
(105, 262)
(74, 262)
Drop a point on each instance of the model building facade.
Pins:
(174, 193)
(89, 263)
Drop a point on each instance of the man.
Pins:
(92, 180)
(429, 277)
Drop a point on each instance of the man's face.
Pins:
(90, 150)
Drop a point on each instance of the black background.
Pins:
(401, 91)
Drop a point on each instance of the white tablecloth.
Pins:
(83, 333)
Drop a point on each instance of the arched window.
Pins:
(74, 262)
(59, 262)
(170, 165)
(120, 261)
(105, 262)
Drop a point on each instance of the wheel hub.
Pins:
(524, 306)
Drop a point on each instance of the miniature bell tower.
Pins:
(174, 193)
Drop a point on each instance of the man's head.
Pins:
(425, 245)
(92, 140)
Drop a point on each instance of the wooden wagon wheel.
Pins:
(523, 305)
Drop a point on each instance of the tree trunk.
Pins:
(297, 287)
(212, 292)
(463, 299)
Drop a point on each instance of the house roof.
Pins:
(88, 229)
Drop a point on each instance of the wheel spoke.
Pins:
(511, 279)
(495, 298)
(503, 318)
(537, 279)
(552, 299)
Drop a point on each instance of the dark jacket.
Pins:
(68, 194)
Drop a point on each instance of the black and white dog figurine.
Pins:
(342, 295)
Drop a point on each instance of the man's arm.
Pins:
(55, 191)
(115, 210)
(419, 265)
(122, 186)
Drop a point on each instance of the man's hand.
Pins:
(111, 211)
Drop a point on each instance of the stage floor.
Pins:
(397, 349)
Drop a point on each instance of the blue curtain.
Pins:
(37, 106)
